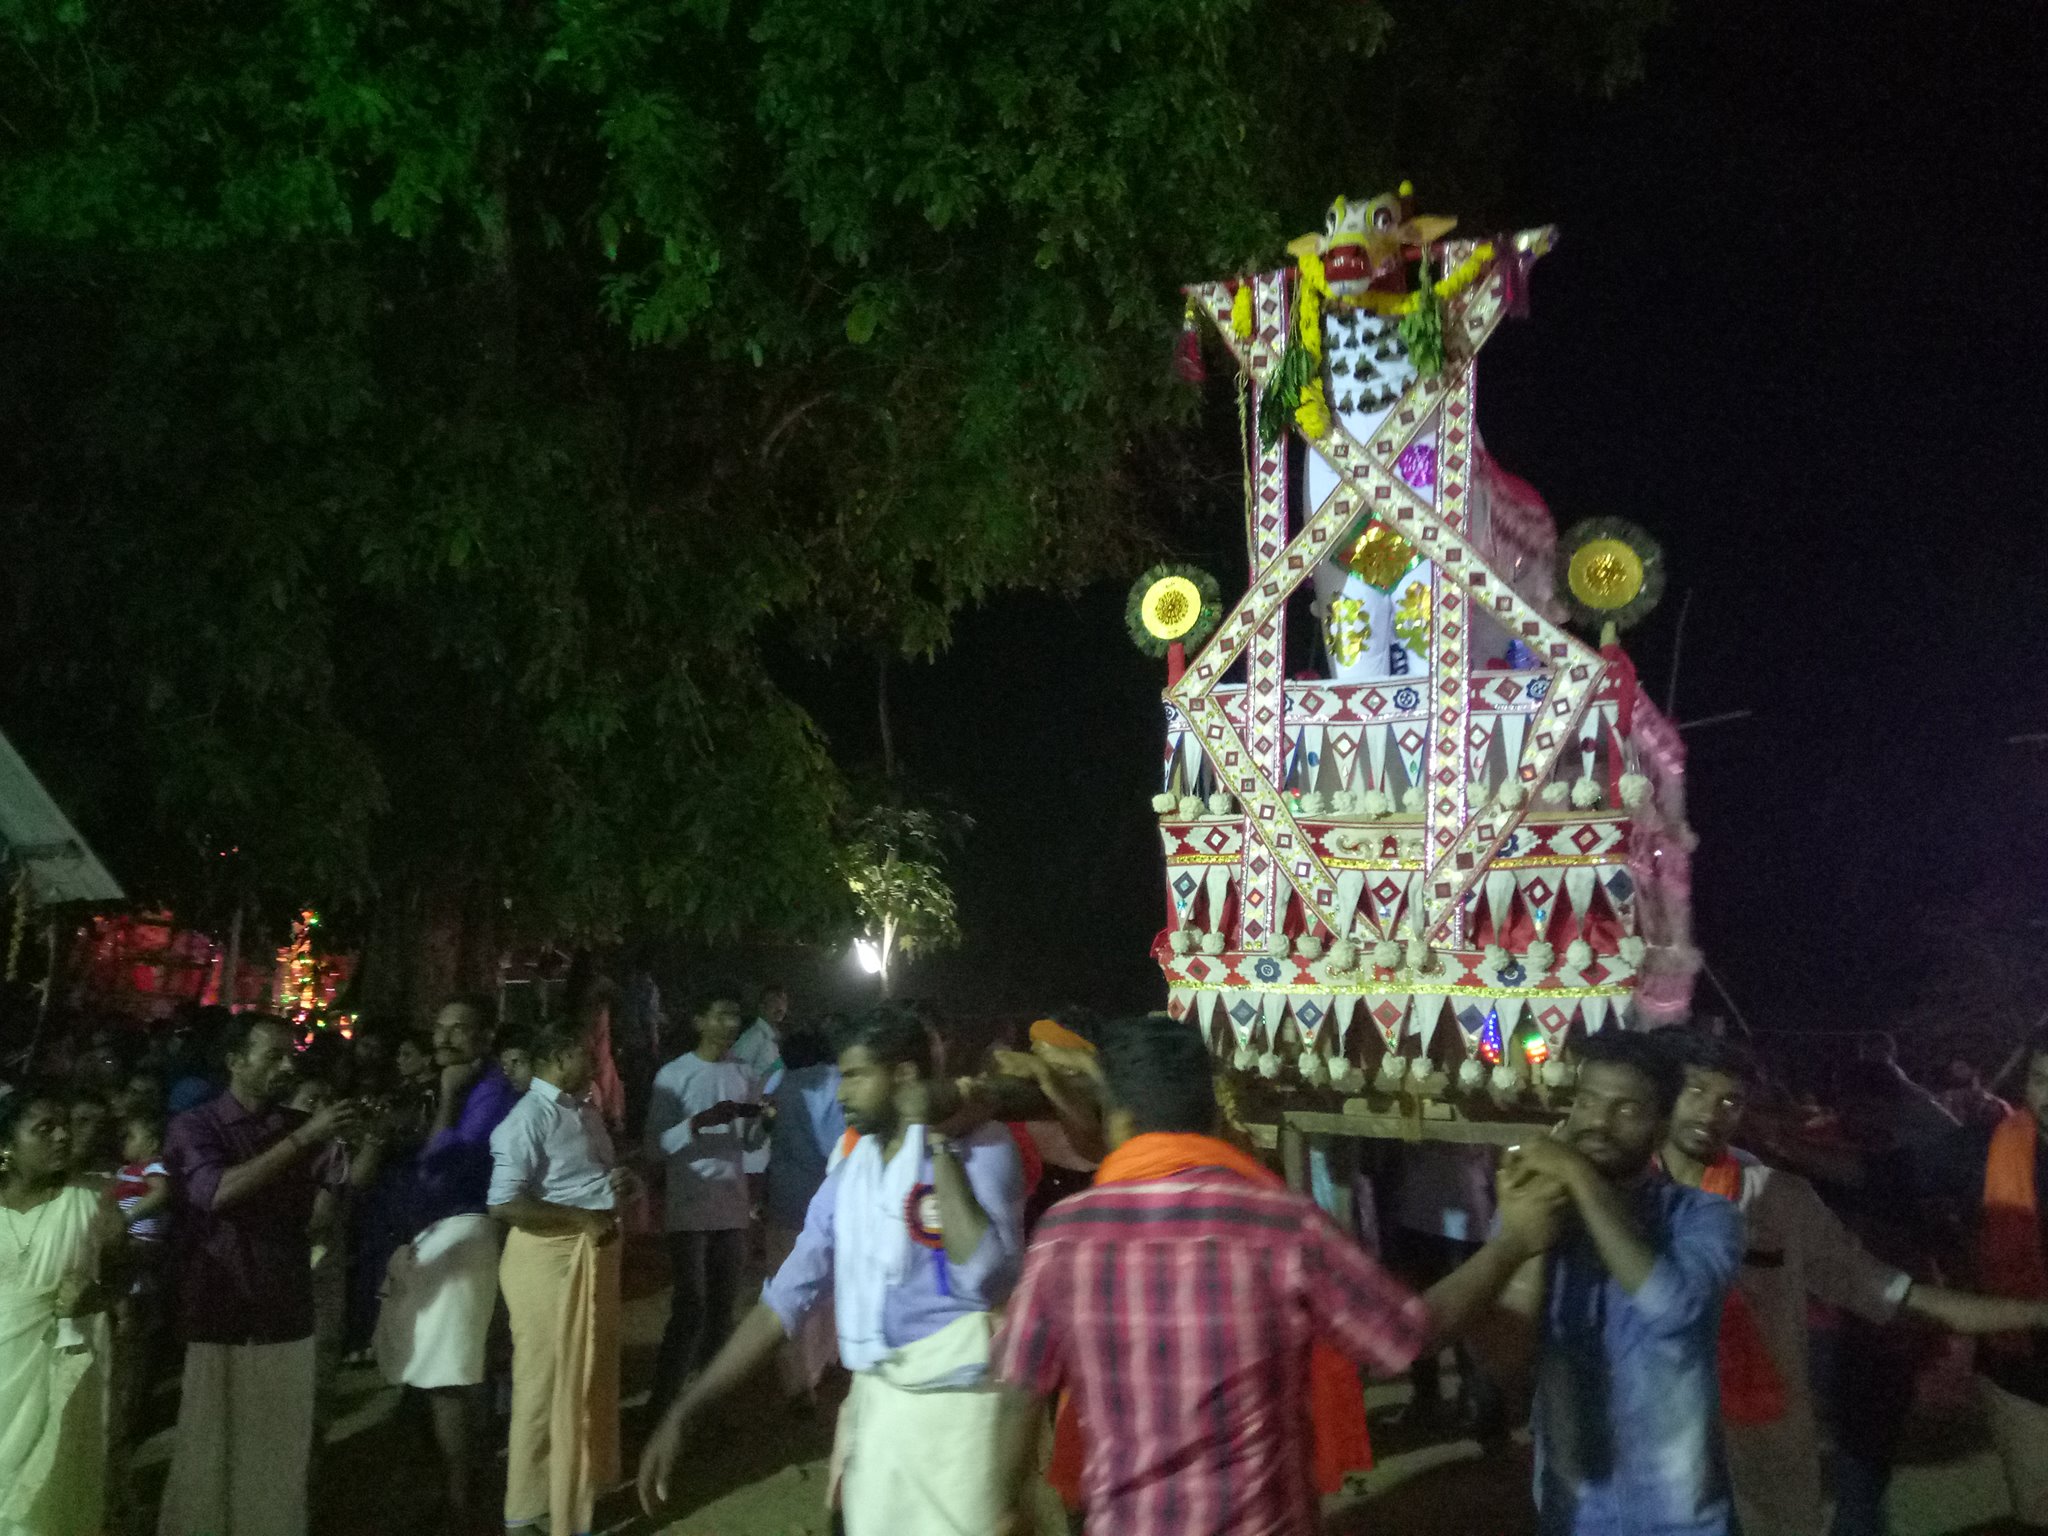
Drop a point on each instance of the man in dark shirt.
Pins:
(442, 1284)
(1996, 1174)
(245, 1171)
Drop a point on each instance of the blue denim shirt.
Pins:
(1627, 1417)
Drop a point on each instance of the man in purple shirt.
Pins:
(442, 1285)
(917, 1237)
(244, 1172)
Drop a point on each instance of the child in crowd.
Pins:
(142, 1190)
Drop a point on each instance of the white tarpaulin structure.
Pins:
(37, 837)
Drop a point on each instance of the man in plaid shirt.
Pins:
(1177, 1300)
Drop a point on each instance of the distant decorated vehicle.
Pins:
(1418, 872)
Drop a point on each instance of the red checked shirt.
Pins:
(1179, 1313)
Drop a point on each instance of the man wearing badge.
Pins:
(917, 1236)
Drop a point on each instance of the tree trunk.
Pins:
(882, 715)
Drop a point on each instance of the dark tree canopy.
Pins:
(426, 424)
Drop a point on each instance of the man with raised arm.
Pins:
(917, 1236)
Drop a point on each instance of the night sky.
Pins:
(1795, 327)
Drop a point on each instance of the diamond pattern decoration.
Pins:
(1460, 853)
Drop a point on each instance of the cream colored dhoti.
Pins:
(2020, 1429)
(921, 1460)
(563, 1297)
(245, 1435)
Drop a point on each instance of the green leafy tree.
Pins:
(894, 862)
(425, 425)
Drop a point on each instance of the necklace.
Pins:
(32, 1220)
(24, 1244)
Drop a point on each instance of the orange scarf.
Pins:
(1752, 1391)
(1336, 1400)
(2009, 1257)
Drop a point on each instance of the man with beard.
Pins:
(442, 1284)
(245, 1171)
(1626, 1418)
(1796, 1248)
(917, 1236)
(1997, 1175)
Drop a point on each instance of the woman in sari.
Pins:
(53, 1356)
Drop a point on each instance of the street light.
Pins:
(870, 958)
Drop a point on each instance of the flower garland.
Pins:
(1295, 392)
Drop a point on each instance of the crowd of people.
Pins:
(1055, 1263)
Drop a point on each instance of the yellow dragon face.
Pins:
(1363, 244)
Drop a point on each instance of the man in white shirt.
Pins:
(917, 1237)
(759, 1046)
(1795, 1248)
(703, 1118)
(554, 1183)
(759, 1049)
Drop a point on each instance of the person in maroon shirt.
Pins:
(245, 1171)
(1178, 1298)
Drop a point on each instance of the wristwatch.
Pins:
(937, 1141)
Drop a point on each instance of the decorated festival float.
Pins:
(1400, 884)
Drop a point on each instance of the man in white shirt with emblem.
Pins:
(703, 1118)
(917, 1237)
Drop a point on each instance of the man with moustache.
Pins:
(245, 1171)
(1796, 1248)
(1627, 1308)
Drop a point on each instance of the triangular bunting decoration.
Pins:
(1594, 1011)
(1539, 888)
(1513, 727)
(1578, 886)
(1500, 902)
(1471, 1016)
(1426, 1010)
(1180, 1002)
(1347, 1009)
(1311, 1014)
(1386, 896)
(1219, 894)
(1205, 1013)
(1273, 1007)
(1350, 887)
(1308, 770)
(1242, 1010)
(1376, 739)
(1389, 1014)
(1509, 1011)
(1344, 747)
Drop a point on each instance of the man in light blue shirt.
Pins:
(1628, 1409)
(916, 1236)
(554, 1183)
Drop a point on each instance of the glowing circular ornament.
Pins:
(1171, 607)
(1606, 574)
(1172, 604)
(1612, 572)
(1381, 556)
